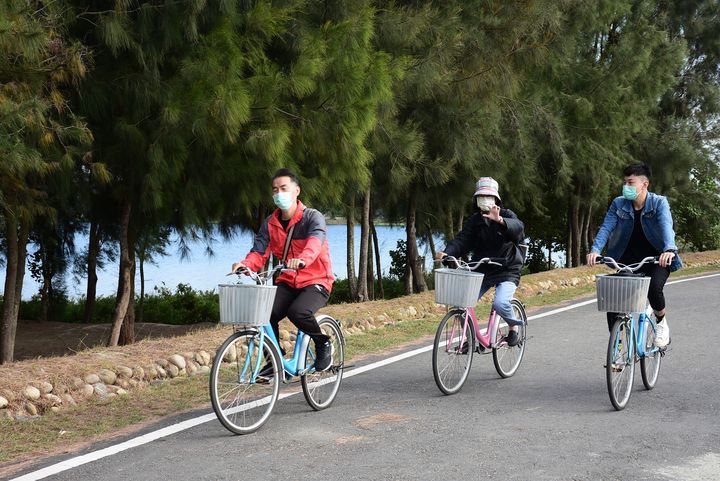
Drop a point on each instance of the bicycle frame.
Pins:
(487, 340)
(295, 366)
(638, 333)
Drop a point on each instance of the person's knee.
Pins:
(300, 314)
(502, 307)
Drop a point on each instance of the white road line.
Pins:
(190, 423)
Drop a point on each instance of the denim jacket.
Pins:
(656, 222)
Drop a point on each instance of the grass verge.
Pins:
(75, 428)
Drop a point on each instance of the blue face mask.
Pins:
(630, 192)
(283, 200)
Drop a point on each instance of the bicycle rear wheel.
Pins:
(241, 403)
(650, 362)
(451, 359)
(320, 388)
(620, 366)
(507, 359)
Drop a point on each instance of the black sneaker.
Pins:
(323, 356)
(512, 338)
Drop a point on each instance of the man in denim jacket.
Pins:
(638, 224)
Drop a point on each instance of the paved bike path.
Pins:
(552, 420)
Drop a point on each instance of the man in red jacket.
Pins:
(302, 292)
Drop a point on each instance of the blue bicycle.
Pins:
(249, 367)
(625, 293)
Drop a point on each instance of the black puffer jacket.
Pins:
(487, 238)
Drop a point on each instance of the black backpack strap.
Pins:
(287, 244)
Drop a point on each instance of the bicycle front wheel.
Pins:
(620, 366)
(650, 362)
(320, 388)
(242, 400)
(507, 359)
(452, 358)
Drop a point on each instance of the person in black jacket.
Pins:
(493, 231)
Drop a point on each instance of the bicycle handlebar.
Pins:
(610, 262)
(262, 277)
(451, 261)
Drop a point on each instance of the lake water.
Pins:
(204, 273)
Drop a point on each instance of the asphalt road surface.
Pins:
(551, 421)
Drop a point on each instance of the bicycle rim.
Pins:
(620, 366)
(650, 363)
(320, 388)
(507, 359)
(240, 402)
(450, 366)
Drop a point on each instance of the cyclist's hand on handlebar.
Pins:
(239, 268)
(440, 255)
(295, 264)
(592, 258)
(666, 258)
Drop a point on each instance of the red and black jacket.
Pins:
(309, 242)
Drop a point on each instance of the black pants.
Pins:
(656, 298)
(300, 306)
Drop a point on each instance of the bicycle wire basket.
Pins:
(622, 293)
(246, 304)
(456, 287)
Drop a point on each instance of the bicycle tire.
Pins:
(450, 365)
(507, 359)
(620, 365)
(241, 404)
(650, 362)
(321, 388)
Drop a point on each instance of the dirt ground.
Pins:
(46, 339)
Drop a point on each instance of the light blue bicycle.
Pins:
(249, 367)
(625, 293)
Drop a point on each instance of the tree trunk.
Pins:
(14, 272)
(370, 270)
(124, 276)
(550, 251)
(46, 289)
(575, 232)
(127, 331)
(418, 280)
(141, 305)
(431, 241)
(350, 223)
(568, 249)
(584, 235)
(362, 284)
(93, 253)
(451, 227)
(378, 267)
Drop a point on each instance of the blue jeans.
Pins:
(504, 292)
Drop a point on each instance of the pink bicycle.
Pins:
(459, 335)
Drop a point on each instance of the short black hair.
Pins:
(286, 173)
(638, 169)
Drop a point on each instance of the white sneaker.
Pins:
(662, 336)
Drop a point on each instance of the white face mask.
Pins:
(485, 202)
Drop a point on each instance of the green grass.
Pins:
(21, 439)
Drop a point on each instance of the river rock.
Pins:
(177, 360)
(188, 355)
(230, 354)
(124, 371)
(77, 383)
(150, 372)
(162, 363)
(191, 367)
(3, 402)
(107, 376)
(8, 394)
(31, 409)
(92, 379)
(173, 370)
(114, 389)
(162, 373)
(86, 390)
(205, 358)
(68, 399)
(44, 387)
(123, 383)
(284, 335)
(54, 409)
(101, 389)
(138, 373)
(32, 393)
(60, 389)
(53, 398)
(203, 370)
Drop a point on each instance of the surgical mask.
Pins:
(283, 200)
(630, 192)
(485, 202)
